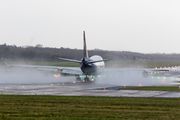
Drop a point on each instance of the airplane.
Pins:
(89, 66)
(93, 66)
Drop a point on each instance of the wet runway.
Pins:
(81, 89)
(31, 82)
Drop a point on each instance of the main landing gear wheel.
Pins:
(78, 78)
(86, 79)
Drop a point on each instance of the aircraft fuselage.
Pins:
(88, 69)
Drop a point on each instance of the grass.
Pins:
(42, 63)
(69, 107)
(154, 88)
(143, 64)
(63, 107)
(118, 64)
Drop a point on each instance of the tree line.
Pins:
(38, 52)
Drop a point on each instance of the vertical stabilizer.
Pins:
(85, 48)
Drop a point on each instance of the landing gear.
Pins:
(85, 78)
(89, 78)
(78, 78)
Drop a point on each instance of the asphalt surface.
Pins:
(21, 82)
(81, 89)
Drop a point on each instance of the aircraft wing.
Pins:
(133, 69)
(145, 71)
(67, 70)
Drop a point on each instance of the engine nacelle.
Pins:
(64, 74)
(145, 74)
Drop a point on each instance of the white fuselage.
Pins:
(98, 64)
(92, 66)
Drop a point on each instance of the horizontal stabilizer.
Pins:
(98, 61)
(71, 60)
(6, 63)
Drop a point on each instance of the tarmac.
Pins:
(34, 83)
(81, 89)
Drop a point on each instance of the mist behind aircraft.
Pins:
(27, 76)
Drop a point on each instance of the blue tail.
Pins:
(85, 48)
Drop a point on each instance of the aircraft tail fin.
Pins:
(85, 47)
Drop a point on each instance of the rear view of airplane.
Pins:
(89, 66)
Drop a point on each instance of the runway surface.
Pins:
(81, 89)
(31, 82)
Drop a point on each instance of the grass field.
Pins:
(69, 107)
(143, 64)
(154, 88)
(61, 107)
(119, 64)
(43, 63)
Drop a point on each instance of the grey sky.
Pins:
(146, 26)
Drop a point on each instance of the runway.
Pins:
(81, 89)
(32, 82)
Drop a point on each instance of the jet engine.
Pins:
(63, 74)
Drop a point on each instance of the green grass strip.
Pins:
(117, 64)
(154, 88)
(69, 107)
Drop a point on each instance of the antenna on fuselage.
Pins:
(85, 48)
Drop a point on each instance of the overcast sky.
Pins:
(146, 26)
